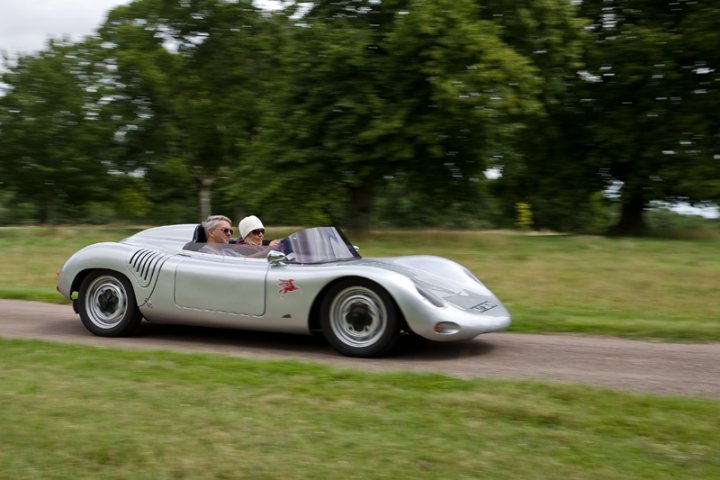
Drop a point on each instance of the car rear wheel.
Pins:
(359, 318)
(107, 305)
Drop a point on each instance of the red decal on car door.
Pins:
(287, 286)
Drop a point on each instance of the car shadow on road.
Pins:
(409, 348)
(231, 337)
(415, 347)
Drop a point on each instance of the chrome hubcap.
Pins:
(106, 302)
(358, 316)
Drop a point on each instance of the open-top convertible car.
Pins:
(315, 282)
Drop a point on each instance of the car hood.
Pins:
(441, 277)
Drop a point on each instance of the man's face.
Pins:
(221, 233)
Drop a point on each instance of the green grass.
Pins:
(84, 413)
(33, 255)
(645, 288)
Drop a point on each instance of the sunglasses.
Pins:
(227, 231)
(258, 231)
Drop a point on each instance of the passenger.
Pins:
(252, 238)
(219, 230)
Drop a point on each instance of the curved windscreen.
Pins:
(317, 245)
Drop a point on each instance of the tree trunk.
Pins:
(357, 213)
(632, 216)
(205, 197)
(50, 210)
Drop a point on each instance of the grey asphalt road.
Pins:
(629, 365)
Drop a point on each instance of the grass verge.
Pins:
(82, 412)
(644, 288)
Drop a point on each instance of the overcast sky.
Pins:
(27, 25)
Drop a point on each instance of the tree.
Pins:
(652, 96)
(187, 77)
(417, 88)
(53, 138)
(545, 166)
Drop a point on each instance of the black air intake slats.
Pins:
(146, 265)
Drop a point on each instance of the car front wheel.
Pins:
(107, 306)
(359, 318)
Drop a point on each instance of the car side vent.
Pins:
(146, 265)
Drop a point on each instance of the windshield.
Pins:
(317, 245)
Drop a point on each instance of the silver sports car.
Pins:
(316, 282)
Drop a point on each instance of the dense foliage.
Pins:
(369, 112)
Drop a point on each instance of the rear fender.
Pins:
(140, 266)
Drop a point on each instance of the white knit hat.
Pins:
(248, 224)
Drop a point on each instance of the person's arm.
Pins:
(251, 251)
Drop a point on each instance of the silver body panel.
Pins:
(179, 286)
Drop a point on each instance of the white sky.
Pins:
(27, 25)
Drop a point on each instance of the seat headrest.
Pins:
(199, 235)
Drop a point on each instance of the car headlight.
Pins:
(430, 297)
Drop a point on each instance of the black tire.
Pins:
(359, 318)
(107, 305)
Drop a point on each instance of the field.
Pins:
(644, 288)
(81, 412)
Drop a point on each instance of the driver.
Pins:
(219, 230)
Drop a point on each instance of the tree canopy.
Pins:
(354, 111)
